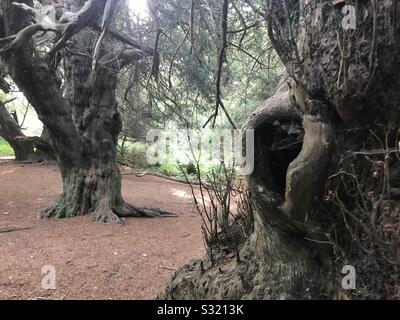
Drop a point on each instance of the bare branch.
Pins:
(126, 39)
(222, 56)
(4, 86)
(43, 21)
(22, 37)
(105, 26)
(83, 18)
(155, 64)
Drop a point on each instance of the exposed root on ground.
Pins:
(105, 213)
(126, 210)
(12, 229)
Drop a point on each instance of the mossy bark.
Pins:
(334, 207)
(81, 115)
(276, 262)
(96, 190)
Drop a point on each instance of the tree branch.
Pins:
(44, 21)
(105, 26)
(126, 39)
(40, 85)
(222, 56)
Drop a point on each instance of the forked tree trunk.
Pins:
(93, 184)
(84, 123)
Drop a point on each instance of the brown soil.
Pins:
(92, 260)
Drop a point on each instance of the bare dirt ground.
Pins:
(92, 260)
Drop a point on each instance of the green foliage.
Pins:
(185, 88)
(5, 148)
(27, 117)
(182, 170)
(133, 154)
(169, 169)
(183, 92)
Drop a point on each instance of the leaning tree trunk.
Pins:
(334, 201)
(12, 133)
(82, 118)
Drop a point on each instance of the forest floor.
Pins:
(92, 260)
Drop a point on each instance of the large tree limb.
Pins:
(44, 21)
(105, 26)
(83, 18)
(71, 26)
(119, 60)
(126, 39)
(4, 86)
(22, 37)
(38, 81)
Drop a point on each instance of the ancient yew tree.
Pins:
(325, 188)
(326, 185)
(70, 81)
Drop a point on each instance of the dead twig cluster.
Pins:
(225, 208)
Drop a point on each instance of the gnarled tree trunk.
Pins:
(83, 122)
(334, 201)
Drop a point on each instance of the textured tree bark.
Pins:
(44, 151)
(83, 125)
(338, 203)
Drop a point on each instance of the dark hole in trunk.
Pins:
(277, 145)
